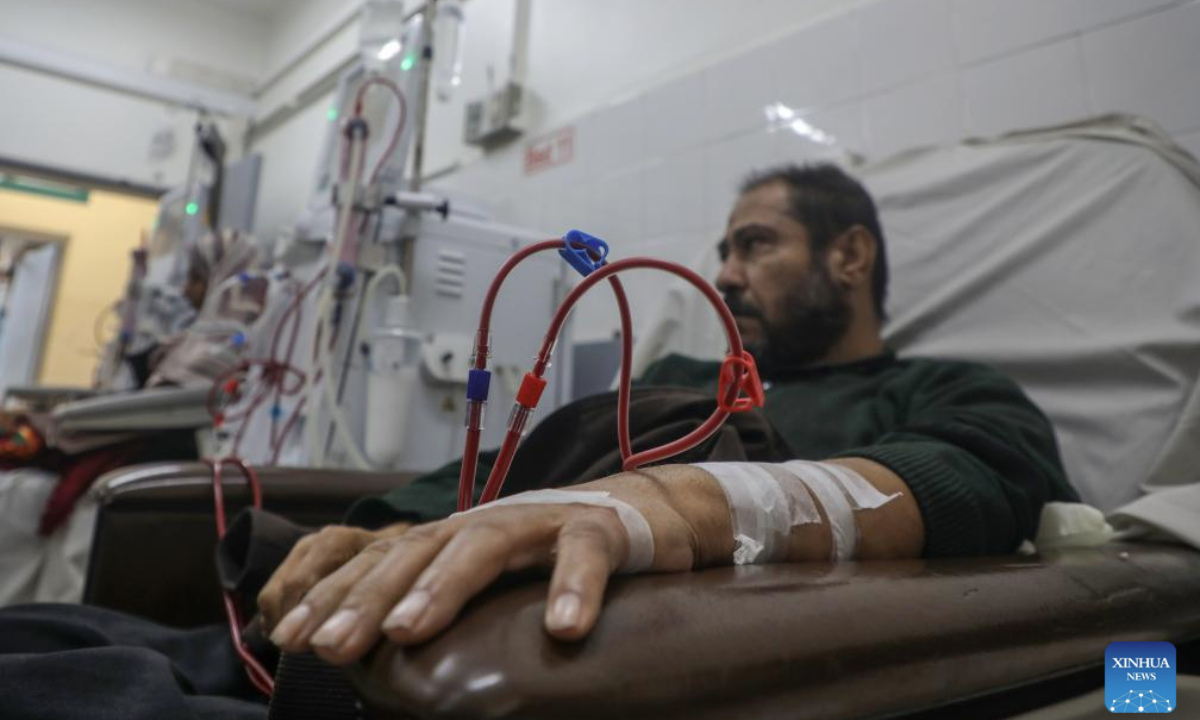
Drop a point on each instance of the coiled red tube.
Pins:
(470, 461)
(630, 461)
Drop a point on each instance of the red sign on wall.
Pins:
(557, 148)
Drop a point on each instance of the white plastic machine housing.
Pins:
(453, 264)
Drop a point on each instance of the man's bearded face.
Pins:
(810, 317)
(789, 309)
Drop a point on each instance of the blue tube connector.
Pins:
(345, 276)
(478, 383)
(580, 250)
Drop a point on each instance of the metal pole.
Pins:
(412, 219)
(423, 114)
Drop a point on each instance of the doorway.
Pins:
(29, 269)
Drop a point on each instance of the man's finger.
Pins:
(273, 598)
(587, 554)
(332, 548)
(354, 625)
(313, 557)
(470, 562)
(294, 630)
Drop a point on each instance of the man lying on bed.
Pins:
(919, 457)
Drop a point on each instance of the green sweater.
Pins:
(980, 458)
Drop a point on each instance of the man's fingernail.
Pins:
(408, 612)
(336, 629)
(291, 624)
(564, 613)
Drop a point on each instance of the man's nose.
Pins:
(730, 278)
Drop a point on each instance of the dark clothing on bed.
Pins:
(61, 662)
(979, 456)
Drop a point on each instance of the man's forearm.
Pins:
(894, 530)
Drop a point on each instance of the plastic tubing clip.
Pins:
(531, 390)
(579, 251)
(478, 382)
(750, 390)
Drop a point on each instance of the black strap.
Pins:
(308, 688)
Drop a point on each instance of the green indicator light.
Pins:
(191, 208)
(331, 114)
(407, 63)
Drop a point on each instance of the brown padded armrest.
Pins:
(324, 493)
(860, 640)
(154, 541)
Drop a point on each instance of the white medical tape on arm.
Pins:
(843, 531)
(641, 539)
(863, 495)
(758, 510)
(763, 509)
(767, 500)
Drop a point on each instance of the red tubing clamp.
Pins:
(531, 390)
(750, 389)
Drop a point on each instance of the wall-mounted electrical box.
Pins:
(493, 120)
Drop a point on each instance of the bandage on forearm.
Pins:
(767, 501)
(641, 540)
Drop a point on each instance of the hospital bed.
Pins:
(1020, 252)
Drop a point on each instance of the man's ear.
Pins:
(851, 257)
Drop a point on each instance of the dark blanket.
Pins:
(67, 662)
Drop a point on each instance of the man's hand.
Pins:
(312, 559)
(411, 586)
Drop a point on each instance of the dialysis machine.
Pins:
(388, 327)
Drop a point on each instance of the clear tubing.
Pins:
(323, 377)
(474, 416)
(259, 676)
(518, 419)
(342, 243)
(466, 476)
(623, 388)
(483, 344)
(447, 57)
(344, 249)
(400, 121)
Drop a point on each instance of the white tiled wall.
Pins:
(926, 112)
(725, 163)
(656, 173)
(736, 91)
(812, 68)
(998, 92)
(990, 28)
(904, 41)
(1151, 64)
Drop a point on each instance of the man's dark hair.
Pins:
(828, 202)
